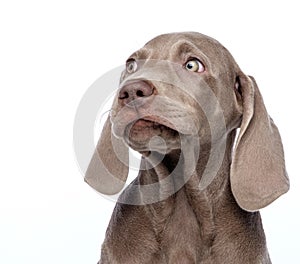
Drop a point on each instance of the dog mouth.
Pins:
(141, 131)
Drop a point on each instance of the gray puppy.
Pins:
(182, 98)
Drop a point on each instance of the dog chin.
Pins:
(143, 135)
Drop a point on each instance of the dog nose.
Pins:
(135, 90)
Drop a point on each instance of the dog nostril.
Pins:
(124, 95)
(140, 93)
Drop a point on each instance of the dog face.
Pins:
(172, 87)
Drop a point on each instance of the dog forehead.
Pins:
(178, 47)
(184, 42)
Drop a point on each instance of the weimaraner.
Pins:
(211, 158)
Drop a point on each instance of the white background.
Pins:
(52, 51)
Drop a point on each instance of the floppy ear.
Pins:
(258, 174)
(108, 168)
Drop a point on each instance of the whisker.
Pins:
(104, 113)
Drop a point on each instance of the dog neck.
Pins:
(203, 202)
(187, 169)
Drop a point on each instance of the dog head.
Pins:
(187, 85)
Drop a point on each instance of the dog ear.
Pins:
(258, 175)
(108, 168)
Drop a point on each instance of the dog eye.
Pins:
(131, 66)
(194, 65)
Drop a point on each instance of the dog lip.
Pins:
(141, 124)
(182, 123)
(157, 121)
(138, 133)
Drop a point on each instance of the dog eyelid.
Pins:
(131, 65)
